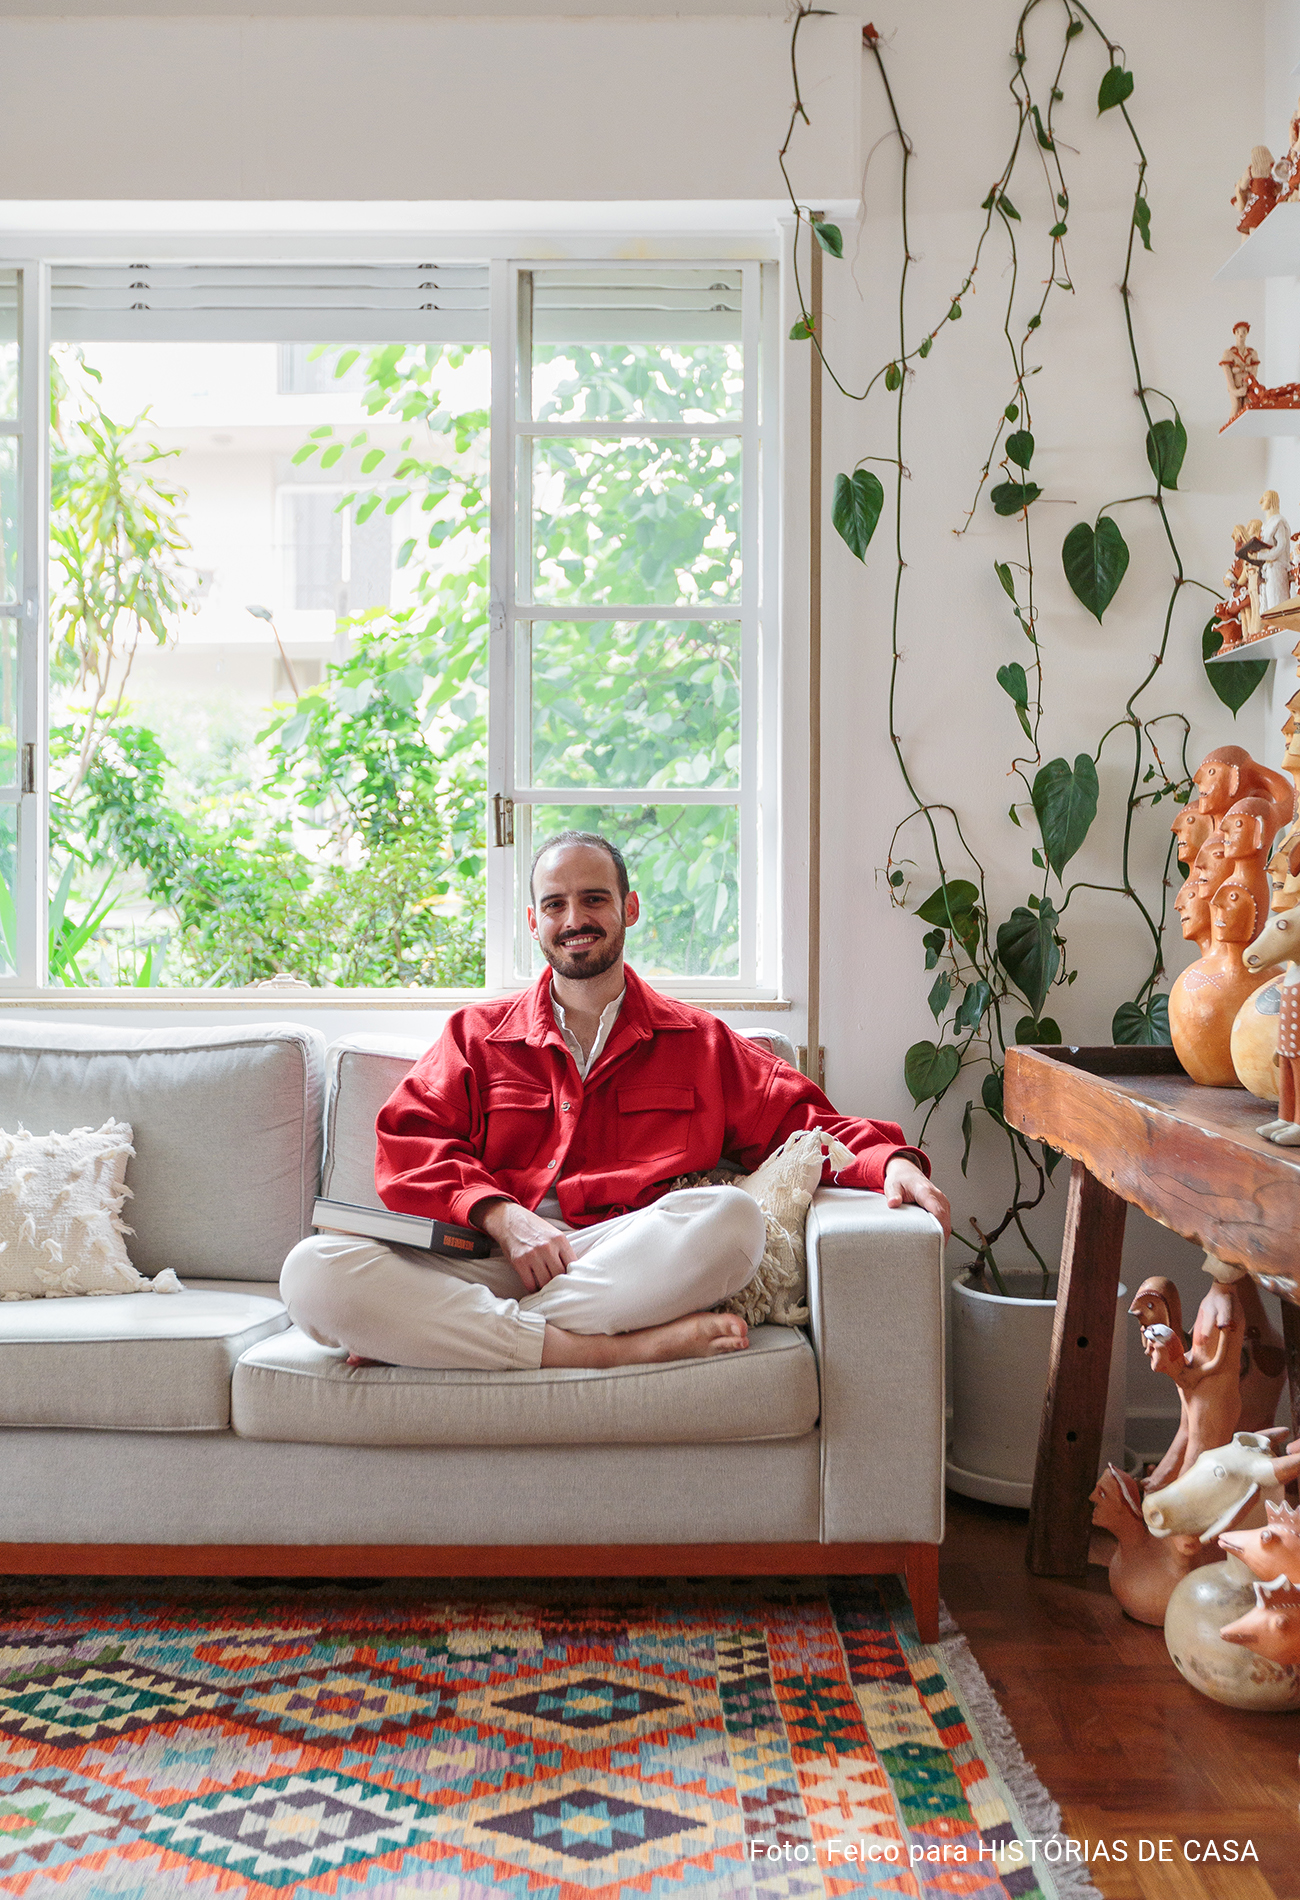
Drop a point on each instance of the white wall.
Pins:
(693, 109)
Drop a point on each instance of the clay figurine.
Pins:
(1256, 192)
(1200, 1607)
(1229, 773)
(1205, 998)
(1227, 1488)
(1193, 908)
(1274, 1550)
(1208, 1375)
(1143, 1569)
(1157, 1306)
(1229, 613)
(1272, 1628)
(1287, 169)
(1240, 365)
(1192, 827)
(1280, 940)
(1274, 558)
(1248, 829)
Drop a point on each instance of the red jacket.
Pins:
(497, 1108)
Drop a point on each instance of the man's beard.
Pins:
(602, 956)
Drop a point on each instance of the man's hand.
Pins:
(904, 1181)
(535, 1248)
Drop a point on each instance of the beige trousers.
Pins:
(689, 1251)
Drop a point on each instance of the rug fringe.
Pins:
(1038, 1810)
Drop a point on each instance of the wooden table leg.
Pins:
(1074, 1409)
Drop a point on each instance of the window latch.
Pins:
(27, 781)
(503, 819)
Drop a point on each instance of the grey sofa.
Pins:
(200, 1432)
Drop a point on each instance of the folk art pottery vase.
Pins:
(1227, 1672)
(1000, 1350)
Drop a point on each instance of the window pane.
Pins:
(9, 347)
(636, 521)
(638, 382)
(10, 518)
(684, 861)
(278, 764)
(8, 888)
(8, 699)
(643, 703)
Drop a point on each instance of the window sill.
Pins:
(294, 1000)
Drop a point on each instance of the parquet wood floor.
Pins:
(1129, 1751)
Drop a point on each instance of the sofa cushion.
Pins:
(290, 1388)
(227, 1131)
(120, 1363)
(363, 1072)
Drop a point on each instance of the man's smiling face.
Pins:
(578, 915)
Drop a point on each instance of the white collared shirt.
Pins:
(609, 1016)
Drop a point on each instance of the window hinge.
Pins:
(503, 819)
(27, 782)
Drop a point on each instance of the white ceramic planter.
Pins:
(1000, 1350)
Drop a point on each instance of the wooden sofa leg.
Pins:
(922, 1577)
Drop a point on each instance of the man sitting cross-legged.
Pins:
(555, 1122)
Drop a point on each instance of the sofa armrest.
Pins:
(875, 1299)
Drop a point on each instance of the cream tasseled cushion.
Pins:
(783, 1188)
(60, 1215)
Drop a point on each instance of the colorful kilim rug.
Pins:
(547, 1742)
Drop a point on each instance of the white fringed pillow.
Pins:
(61, 1222)
(784, 1187)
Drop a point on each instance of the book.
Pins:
(402, 1230)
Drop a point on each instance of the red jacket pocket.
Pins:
(654, 1120)
(519, 1119)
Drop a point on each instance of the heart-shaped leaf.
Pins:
(973, 1005)
(1065, 804)
(856, 508)
(1028, 954)
(829, 236)
(1116, 86)
(991, 1093)
(801, 330)
(1166, 447)
(1013, 682)
(1009, 498)
(1235, 680)
(1095, 562)
(940, 991)
(1142, 219)
(955, 907)
(928, 1069)
(1142, 1022)
(1027, 1030)
(1020, 448)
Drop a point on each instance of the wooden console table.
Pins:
(1139, 1131)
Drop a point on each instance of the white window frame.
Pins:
(29, 791)
(763, 786)
(513, 801)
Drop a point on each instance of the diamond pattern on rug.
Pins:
(587, 1741)
(88, 1701)
(294, 1827)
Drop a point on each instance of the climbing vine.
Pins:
(991, 980)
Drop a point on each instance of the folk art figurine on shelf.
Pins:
(1230, 773)
(1280, 942)
(1239, 363)
(1208, 1374)
(1191, 827)
(1205, 999)
(1271, 1627)
(1257, 191)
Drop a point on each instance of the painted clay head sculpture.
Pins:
(1211, 866)
(1205, 999)
(1247, 829)
(1229, 773)
(1191, 828)
(1193, 908)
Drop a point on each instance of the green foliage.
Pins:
(1142, 1022)
(1028, 952)
(1116, 86)
(1095, 562)
(1233, 683)
(801, 330)
(1009, 498)
(856, 508)
(1065, 804)
(1166, 447)
(1020, 448)
(1014, 682)
(829, 236)
(930, 1068)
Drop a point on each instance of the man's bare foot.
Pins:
(358, 1359)
(698, 1336)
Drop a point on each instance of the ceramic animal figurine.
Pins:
(1272, 1627)
(1208, 1374)
(1225, 775)
(1192, 827)
(1280, 940)
(1256, 191)
(1226, 1489)
(1143, 1569)
(1206, 997)
(1200, 1607)
(1240, 365)
(1274, 1550)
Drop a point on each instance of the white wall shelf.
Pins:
(1274, 646)
(1273, 250)
(1265, 422)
